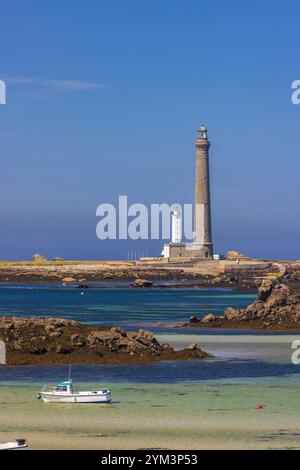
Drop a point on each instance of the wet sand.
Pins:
(202, 416)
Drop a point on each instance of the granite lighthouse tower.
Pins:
(201, 247)
(202, 217)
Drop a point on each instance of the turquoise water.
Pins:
(181, 404)
(118, 306)
(219, 414)
(175, 405)
(239, 356)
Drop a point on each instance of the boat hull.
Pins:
(75, 398)
(18, 444)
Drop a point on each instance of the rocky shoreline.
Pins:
(243, 275)
(276, 308)
(39, 341)
(142, 277)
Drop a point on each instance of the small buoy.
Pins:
(259, 406)
(81, 293)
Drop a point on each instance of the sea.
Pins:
(245, 396)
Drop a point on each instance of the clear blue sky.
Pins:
(105, 97)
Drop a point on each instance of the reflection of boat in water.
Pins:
(14, 445)
(63, 392)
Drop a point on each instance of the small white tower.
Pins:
(176, 227)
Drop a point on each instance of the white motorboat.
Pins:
(14, 445)
(63, 392)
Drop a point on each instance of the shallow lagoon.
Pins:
(190, 404)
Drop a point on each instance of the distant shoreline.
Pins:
(222, 274)
(244, 275)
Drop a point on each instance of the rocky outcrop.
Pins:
(236, 255)
(142, 283)
(192, 347)
(292, 271)
(277, 307)
(275, 303)
(48, 324)
(231, 314)
(38, 340)
(210, 318)
(68, 280)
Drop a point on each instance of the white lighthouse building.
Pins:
(176, 227)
